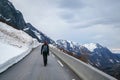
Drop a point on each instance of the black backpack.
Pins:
(45, 48)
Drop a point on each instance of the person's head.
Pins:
(45, 42)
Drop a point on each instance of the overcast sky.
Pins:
(82, 21)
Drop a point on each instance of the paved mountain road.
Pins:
(32, 68)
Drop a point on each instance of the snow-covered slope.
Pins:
(13, 17)
(14, 45)
(13, 36)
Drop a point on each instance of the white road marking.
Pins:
(60, 63)
(73, 79)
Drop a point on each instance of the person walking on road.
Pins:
(45, 52)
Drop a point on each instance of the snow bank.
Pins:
(14, 45)
(11, 55)
(35, 43)
(13, 36)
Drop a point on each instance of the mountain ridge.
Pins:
(93, 54)
(98, 56)
(14, 18)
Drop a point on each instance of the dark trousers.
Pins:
(45, 58)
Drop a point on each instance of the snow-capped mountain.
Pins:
(69, 46)
(14, 18)
(97, 55)
(92, 46)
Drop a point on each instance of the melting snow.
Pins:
(8, 19)
(117, 61)
(111, 60)
(26, 29)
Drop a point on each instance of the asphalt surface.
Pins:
(32, 68)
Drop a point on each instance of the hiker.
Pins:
(45, 52)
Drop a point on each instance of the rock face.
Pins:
(13, 17)
(37, 34)
(10, 15)
(97, 55)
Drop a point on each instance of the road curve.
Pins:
(32, 68)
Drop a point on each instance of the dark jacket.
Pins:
(47, 49)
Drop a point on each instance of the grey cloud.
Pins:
(108, 11)
(104, 21)
(71, 4)
(67, 16)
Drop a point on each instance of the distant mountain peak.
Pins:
(92, 46)
(67, 41)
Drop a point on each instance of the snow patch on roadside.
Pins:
(11, 56)
(14, 45)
